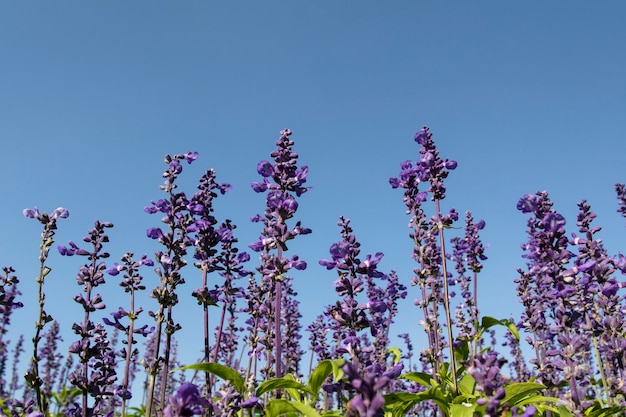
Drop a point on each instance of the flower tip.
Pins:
(191, 156)
(451, 165)
(265, 169)
(259, 187)
(422, 135)
(61, 212)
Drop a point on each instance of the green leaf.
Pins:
(279, 407)
(564, 412)
(536, 400)
(421, 378)
(319, 375)
(407, 400)
(518, 391)
(462, 410)
(221, 371)
(488, 322)
(333, 413)
(467, 384)
(461, 353)
(281, 383)
(396, 353)
(337, 371)
(606, 412)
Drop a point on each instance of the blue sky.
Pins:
(526, 96)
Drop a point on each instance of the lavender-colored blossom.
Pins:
(32, 377)
(349, 316)
(8, 304)
(186, 402)
(51, 357)
(486, 371)
(318, 331)
(96, 357)
(428, 236)
(176, 237)
(368, 402)
(282, 181)
(430, 168)
(131, 282)
(468, 254)
(620, 189)
(229, 263)
(547, 254)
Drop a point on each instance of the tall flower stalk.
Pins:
(8, 295)
(49, 222)
(468, 253)
(175, 238)
(131, 282)
(93, 348)
(207, 240)
(429, 241)
(348, 317)
(283, 181)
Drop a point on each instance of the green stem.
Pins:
(154, 367)
(446, 295)
(605, 385)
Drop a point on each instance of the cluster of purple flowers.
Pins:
(573, 310)
(572, 298)
(283, 181)
(348, 317)
(430, 250)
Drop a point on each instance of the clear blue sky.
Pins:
(526, 96)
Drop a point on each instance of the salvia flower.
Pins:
(186, 402)
(620, 189)
(176, 237)
(49, 223)
(369, 401)
(485, 369)
(429, 242)
(283, 181)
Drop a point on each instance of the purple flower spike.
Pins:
(186, 402)
(369, 401)
(620, 189)
(283, 181)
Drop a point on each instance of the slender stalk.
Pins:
(605, 385)
(169, 331)
(41, 322)
(277, 340)
(475, 317)
(154, 367)
(277, 319)
(129, 350)
(218, 341)
(47, 239)
(446, 294)
(205, 313)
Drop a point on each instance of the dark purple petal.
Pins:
(265, 169)
(154, 233)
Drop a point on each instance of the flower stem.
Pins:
(446, 294)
